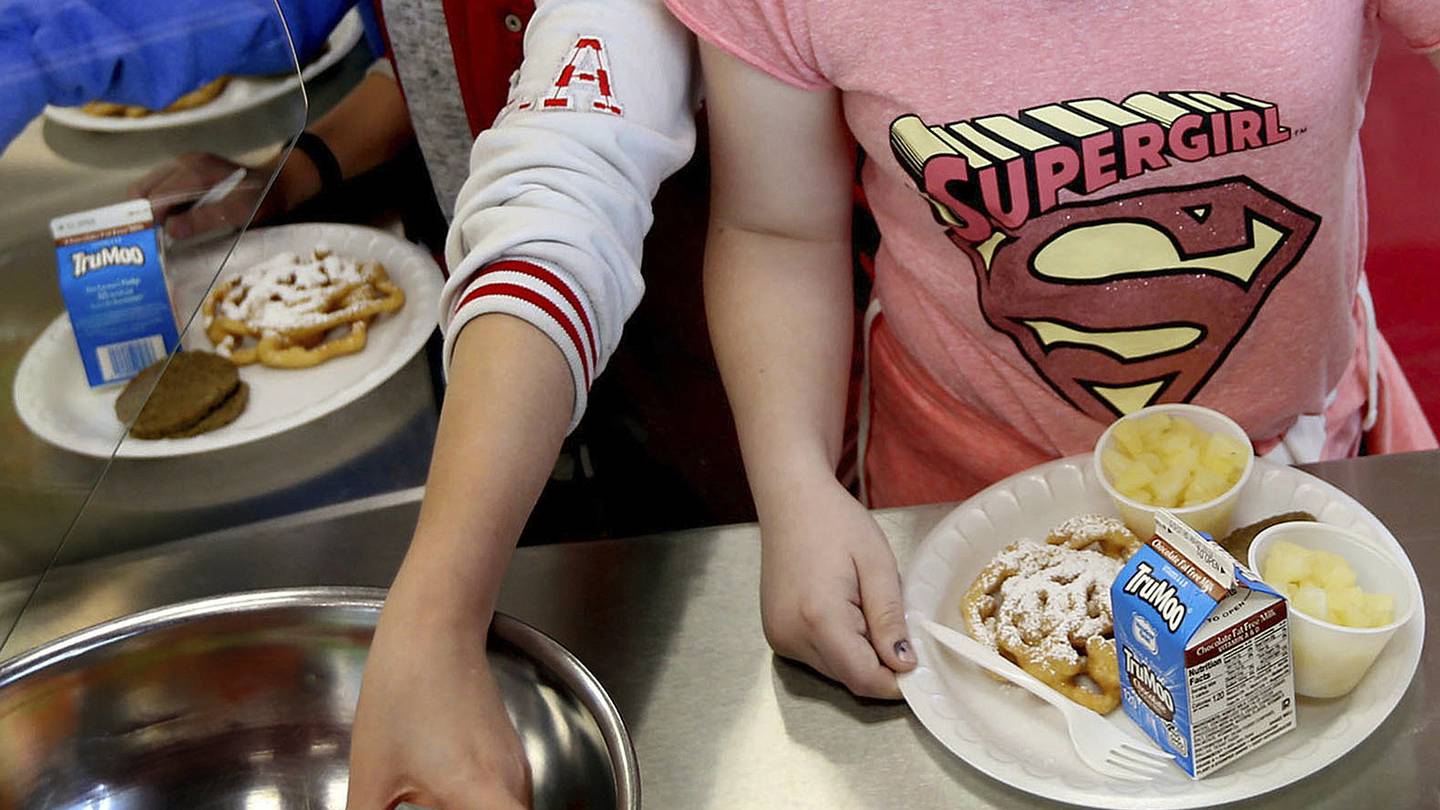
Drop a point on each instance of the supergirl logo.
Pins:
(1001, 171)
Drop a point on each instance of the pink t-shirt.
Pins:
(1088, 207)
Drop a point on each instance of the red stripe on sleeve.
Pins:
(545, 304)
(551, 280)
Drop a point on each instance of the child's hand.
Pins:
(830, 591)
(431, 728)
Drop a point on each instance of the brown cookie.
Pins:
(132, 398)
(224, 413)
(193, 385)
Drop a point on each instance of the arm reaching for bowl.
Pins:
(430, 728)
(544, 255)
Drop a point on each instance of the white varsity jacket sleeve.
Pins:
(549, 225)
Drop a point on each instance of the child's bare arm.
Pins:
(779, 301)
(777, 269)
(430, 728)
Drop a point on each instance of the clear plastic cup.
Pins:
(1330, 659)
(1213, 516)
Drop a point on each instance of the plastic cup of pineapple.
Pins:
(1330, 657)
(1188, 460)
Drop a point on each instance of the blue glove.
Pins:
(68, 52)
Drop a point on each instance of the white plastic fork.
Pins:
(1106, 749)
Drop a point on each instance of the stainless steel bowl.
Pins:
(246, 701)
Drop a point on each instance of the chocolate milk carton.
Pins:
(1204, 650)
(113, 282)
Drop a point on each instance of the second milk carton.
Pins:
(113, 281)
(1204, 650)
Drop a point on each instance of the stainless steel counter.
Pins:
(671, 625)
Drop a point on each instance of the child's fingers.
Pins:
(884, 609)
(468, 787)
(848, 658)
(371, 789)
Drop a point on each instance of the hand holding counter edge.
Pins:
(830, 591)
(778, 298)
(544, 254)
(141, 52)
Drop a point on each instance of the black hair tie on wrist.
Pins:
(324, 160)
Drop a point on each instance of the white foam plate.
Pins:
(1017, 739)
(55, 402)
(242, 93)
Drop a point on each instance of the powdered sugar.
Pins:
(289, 292)
(1047, 598)
(1089, 528)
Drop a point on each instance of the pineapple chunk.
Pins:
(1169, 484)
(1186, 458)
(1311, 600)
(1220, 466)
(1322, 584)
(1165, 501)
(1128, 436)
(1172, 442)
(1331, 571)
(1379, 609)
(1205, 485)
(1153, 425)
(1140, 493)
(1153, 461)
(1186, 466)
(1346, 606)
(1114, 463)
(1136, 475)
(1286, 562)
(1190, 430)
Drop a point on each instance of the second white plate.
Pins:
(242, 93)
(1017, 739)
(54, 401)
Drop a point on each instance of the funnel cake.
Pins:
(1047, 608)
(298, 311)
(1106, 535)
(198, 97)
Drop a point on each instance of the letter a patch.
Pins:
(584, 82)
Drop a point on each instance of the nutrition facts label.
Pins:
(1241, 698)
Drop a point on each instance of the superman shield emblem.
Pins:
(1137, 299)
